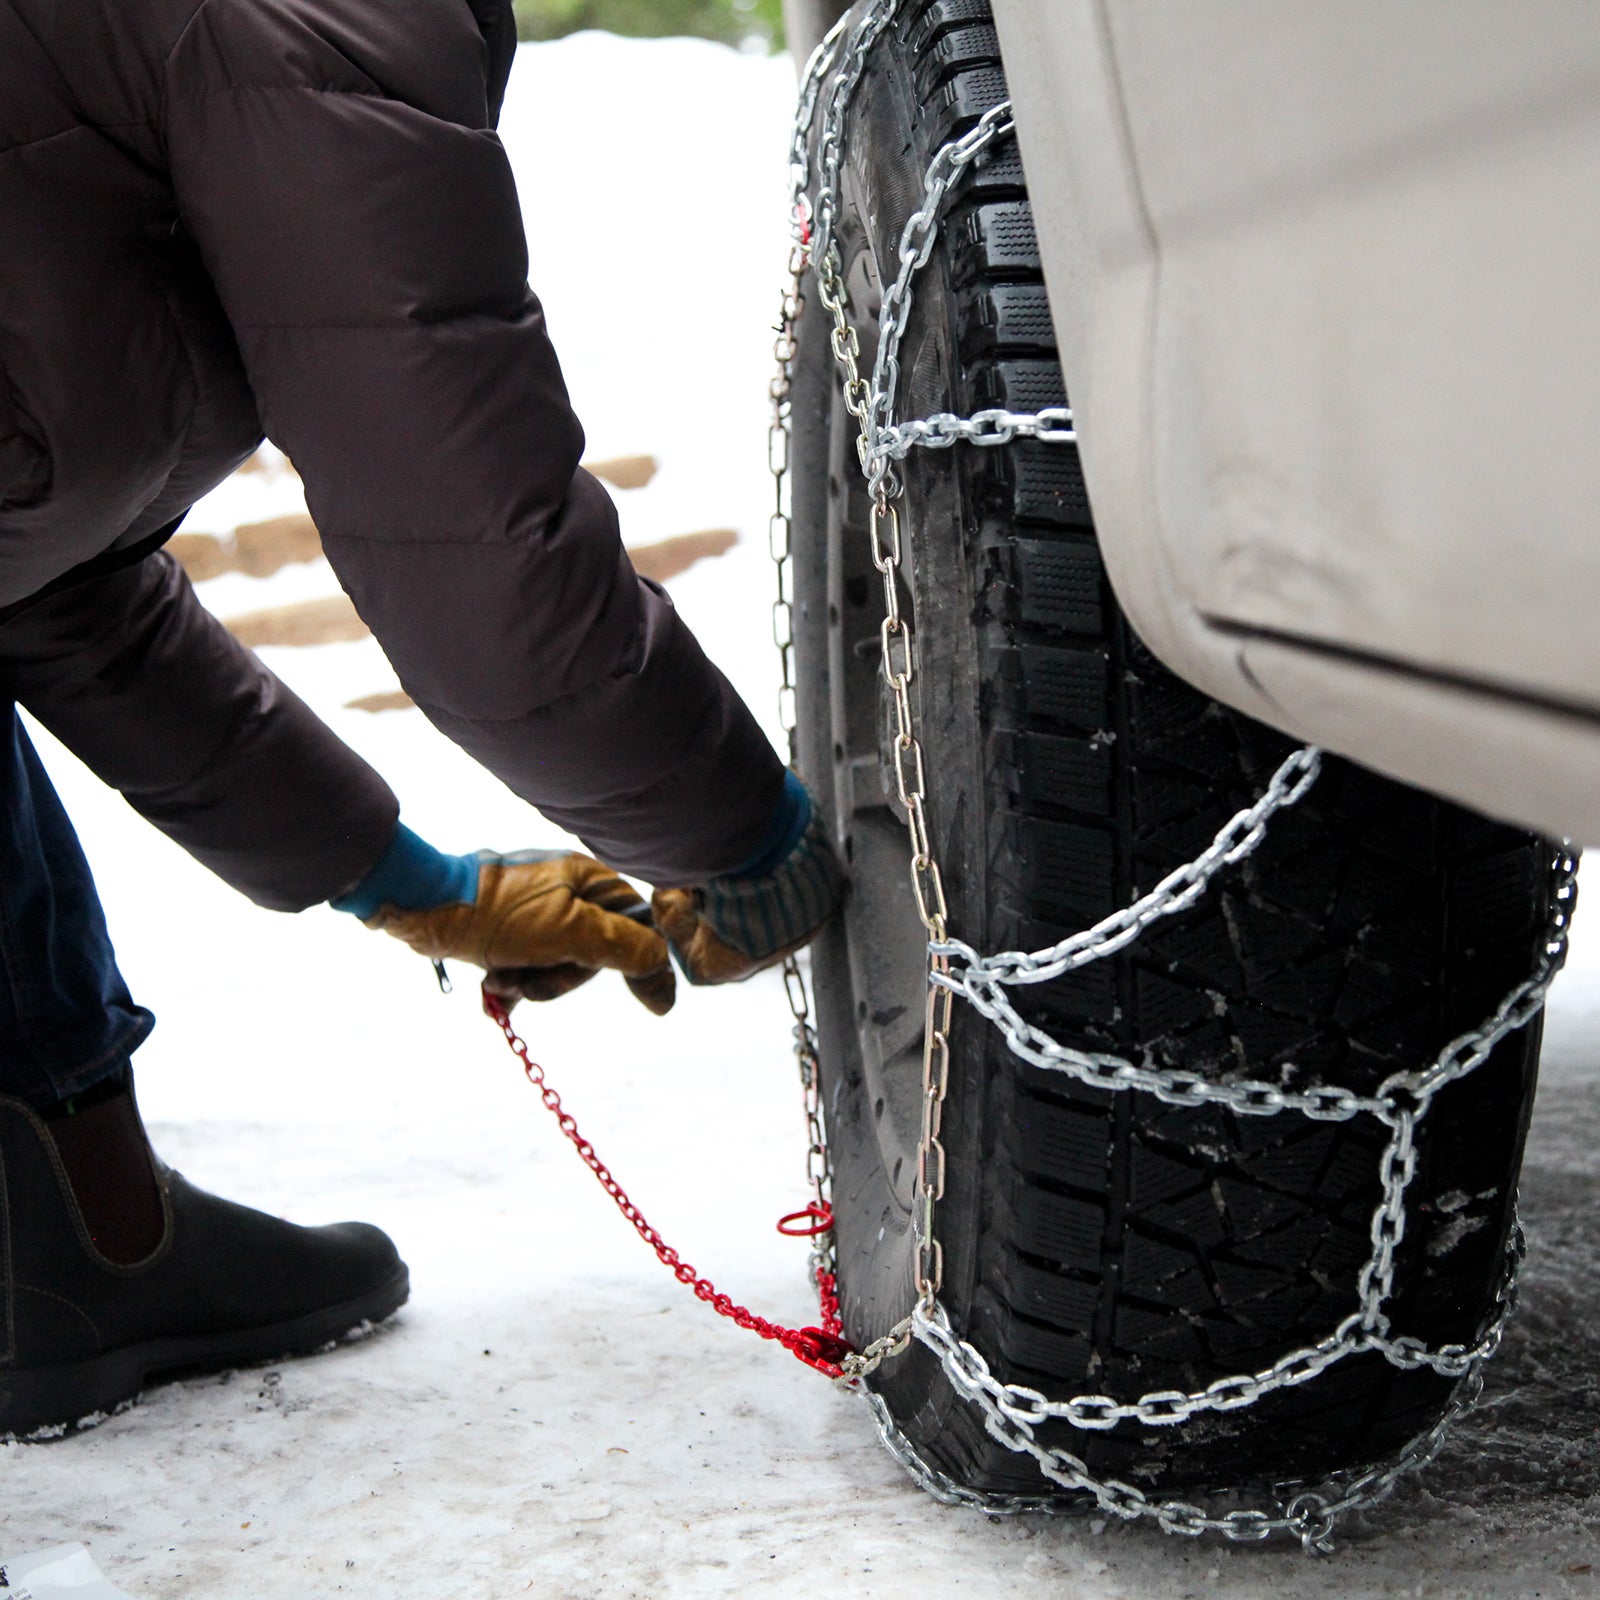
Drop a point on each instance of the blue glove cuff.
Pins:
(413, 876)
(790, 819)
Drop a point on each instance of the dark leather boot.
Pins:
(211, 1284)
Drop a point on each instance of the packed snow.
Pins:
(552, 1414)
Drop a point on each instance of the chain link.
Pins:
(1309, 1515)
(1012, 1412)
(818, 1347)
(822, 1263)
(917, 239)
(1053, 425)
(1176, 892)
(823, 1270)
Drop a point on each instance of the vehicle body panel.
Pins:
(1325, 280)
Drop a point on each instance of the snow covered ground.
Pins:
(552, 1415)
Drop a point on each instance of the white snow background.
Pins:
(552, 1415)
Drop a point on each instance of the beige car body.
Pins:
(1326, 284)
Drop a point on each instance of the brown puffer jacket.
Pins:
(224, 217)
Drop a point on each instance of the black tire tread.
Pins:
(1123, 1245)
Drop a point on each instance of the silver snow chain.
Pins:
(1012, 1412)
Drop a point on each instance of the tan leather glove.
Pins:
(543, 923)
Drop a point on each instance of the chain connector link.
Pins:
(885, 552)
(927, 883)
(895, 637)
(817, 1347)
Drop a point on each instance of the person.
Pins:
(224, 218)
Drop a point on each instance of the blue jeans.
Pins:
(67, 1020)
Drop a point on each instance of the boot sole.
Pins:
(40, 1403)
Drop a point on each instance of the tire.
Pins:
(1094, 1242)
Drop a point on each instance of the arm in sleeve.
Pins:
(157, 698)
(361, 223)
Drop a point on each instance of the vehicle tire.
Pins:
(1094, 1242)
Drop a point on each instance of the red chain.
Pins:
(823, 1348)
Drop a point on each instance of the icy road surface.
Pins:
(552, 1415)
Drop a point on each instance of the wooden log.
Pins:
(333, 620)
(666, 558)
(389, 700)
(624, 472)
(257, 549)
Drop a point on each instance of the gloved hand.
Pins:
(729, 928)
(544, 922)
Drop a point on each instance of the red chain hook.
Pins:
(823, 1348)
(814, 1221)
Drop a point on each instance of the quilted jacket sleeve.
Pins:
(334, 161)
(153, 694)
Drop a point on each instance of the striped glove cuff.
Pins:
(731, 927)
